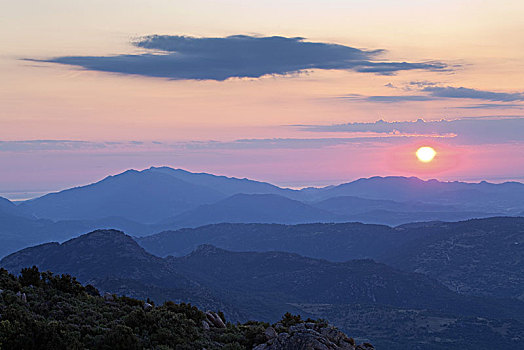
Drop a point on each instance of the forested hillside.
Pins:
(46, 311)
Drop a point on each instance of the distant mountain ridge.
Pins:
(146, 196)
(161, 198)
(255, 208)
(478, 256)
(8, 208)
(161, 193)
(227, 185)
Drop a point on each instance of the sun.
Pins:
(426, 154)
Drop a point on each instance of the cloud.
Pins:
(132, 147)
(468, 130)
(65, 145)
(434, 92)
(242, 56)
(492, 106)
(48, 145)
(285, 143)
(394, 98)
(462, 92)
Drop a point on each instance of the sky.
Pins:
(297, 93)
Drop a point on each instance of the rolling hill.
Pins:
(477, 257)
(360, 295)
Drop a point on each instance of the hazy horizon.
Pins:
(27, 194)
(309, 93)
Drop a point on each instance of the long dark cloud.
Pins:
(183, 57)
(468, 130)
(462, 92)
(434, 92)
(399, 98)
(492, 106)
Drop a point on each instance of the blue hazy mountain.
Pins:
(8, 208)
(484, 196)
(159, 194)
(389, 212)
(20, 231)
(146, 196)
(335, 242)
(226, 185)
(344, 205)
(254, 208)
(159, 199)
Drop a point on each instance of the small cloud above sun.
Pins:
(426, 154)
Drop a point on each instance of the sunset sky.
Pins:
(296, 93)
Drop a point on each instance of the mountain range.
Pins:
(479, 257)
(401, 309)
(160, 198)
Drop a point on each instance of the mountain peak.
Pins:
(109, 235)
(106, 242)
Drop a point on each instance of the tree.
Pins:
(29, 276)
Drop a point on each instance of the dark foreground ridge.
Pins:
(393, 309)
(46, 311)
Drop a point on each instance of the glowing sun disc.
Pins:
(426, 154)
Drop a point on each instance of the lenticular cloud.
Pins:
(239, 56)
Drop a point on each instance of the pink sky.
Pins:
(136, 121)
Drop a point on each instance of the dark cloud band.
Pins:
(434, 92)
(182, 57)
(462, 92)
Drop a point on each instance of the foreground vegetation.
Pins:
(40, 310)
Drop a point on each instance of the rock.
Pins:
(270, 333)
(108, 296)
(205, 325)
(310, 325)
(299, 327)
(310, 336)
(215, 320)
(22, 296)
(147, 306)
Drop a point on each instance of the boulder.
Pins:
(22, 296)
(215, 320)
(310, 336)
(270, 333)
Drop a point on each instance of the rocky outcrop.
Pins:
(214, 320)
(309, 336)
